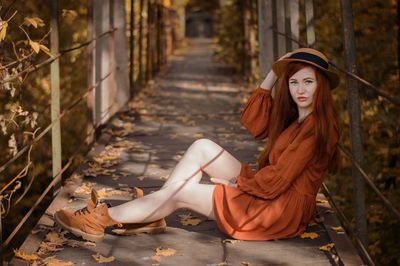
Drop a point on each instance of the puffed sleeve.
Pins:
(255, 115)
(272, 180)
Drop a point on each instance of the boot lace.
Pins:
(82, 211)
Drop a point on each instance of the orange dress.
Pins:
(277, 201)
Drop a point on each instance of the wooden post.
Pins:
(148, 41)
(90, 69)
(55, 93)
(288, 25)
(280, 26)
(265, 37)
(140, 77)
(120, 55)
(294, 23)
(309, 8)
(132, 48)
(1, 240)
(353, 105)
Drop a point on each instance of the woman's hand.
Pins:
(269, 82)
(223, 182)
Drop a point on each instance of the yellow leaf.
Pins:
(46, 50)
(327, 247)
(192, 221)
(101, 259)
(310, 235)
(55, 238)
(35, 46)
(3, 30)
(166, 252)
(53, 261)
(337, 228)
(322, 201)
(35, 22)
(24, 256)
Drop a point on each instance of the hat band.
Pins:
(311, 58)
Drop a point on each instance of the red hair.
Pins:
(284, 112)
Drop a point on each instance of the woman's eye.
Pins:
(309, 81)
(293, 82)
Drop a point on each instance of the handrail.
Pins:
(371, 183)
(348, 228)
(33, 68)
(47, 129)
(393, 99)
(55, 180)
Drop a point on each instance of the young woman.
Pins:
(278, 200)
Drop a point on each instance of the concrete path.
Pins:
(193, 98)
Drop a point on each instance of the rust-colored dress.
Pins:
(278, 201)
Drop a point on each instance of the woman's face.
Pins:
(302, 86)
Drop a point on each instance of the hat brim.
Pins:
(279, 68)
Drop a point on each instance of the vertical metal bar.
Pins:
(140, 78)
(148, 41)
(294, 22)
(1, 239)
(309, 6)
(280, 25)
(132, 49)
(90, 68)
(265, 36)
(55, 92)
(353, 105)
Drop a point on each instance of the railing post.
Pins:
(353, 105)
(266, 36)
(1, 239)
(55, 92)
(132, 49)
(280, 27)
(309, 8)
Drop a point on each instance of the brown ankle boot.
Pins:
(89, 222)
(128, 229)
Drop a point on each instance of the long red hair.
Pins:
(284, 112)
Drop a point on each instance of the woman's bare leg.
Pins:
(182, 189)
(157, 205)
(205, 155)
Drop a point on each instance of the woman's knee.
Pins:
(205, 147)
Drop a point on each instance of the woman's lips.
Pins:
(302, 99)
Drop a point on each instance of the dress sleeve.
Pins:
(255, 115)
(272, 180)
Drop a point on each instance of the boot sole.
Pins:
(77, 232)
(127, 232)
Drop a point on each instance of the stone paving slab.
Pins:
(193, 98)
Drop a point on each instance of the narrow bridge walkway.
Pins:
(194, 97)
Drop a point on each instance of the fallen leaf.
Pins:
(25, 256)
(322, 201)
(337, 228)
(53, 261)
(310, 235)
(141, 178)
(327, 247)
(193, 221)
(55, 238)
(165, 177)
(90, 244)
(246, 263)
(231, 241)
(166, 252)
(101, 259)
(155, 258)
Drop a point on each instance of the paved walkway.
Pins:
(193, 98)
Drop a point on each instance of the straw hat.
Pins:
(308, 56)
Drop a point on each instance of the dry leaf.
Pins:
(35, 22)
(90, 244)
(310, 235)
(166, 252)
(3, 30)
(141, 178)
(25, 256)
(55, 238)
(327, 247)
(337, 228)
(35, 46)
(101, 259)
(53, 261)
(231, 241)
(164, 177)
(246, 263)
(193, 221)
(322, 201)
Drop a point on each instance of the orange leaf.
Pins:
(327, 247)
(35, 46)
(166, 252)
(101, 259)
(310, 235)
(24, 256)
